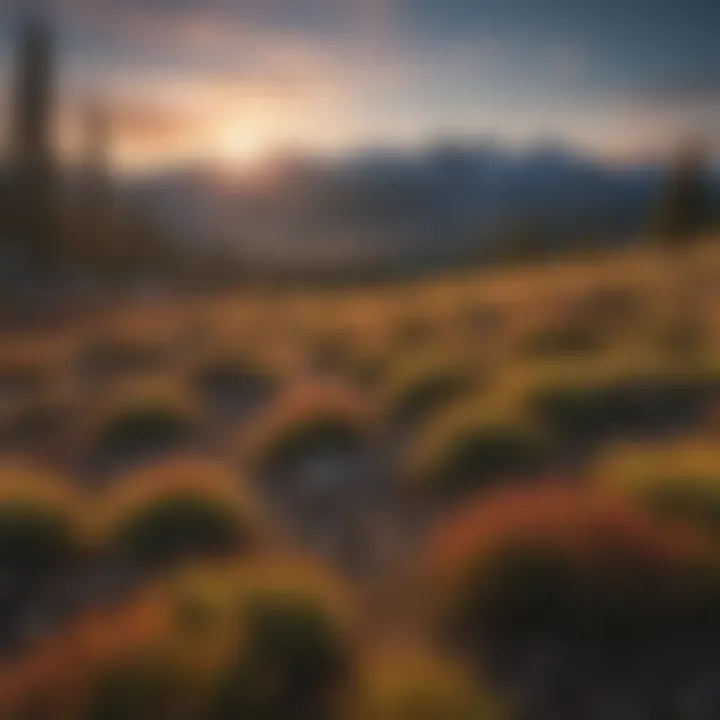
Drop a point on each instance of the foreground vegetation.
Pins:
(475, 498)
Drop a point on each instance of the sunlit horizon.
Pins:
(233, 84)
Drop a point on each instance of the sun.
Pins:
(239, 148)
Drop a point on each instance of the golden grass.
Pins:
(410, 687)
(635, 468)
(677, 480)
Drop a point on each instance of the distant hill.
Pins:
(380, 207)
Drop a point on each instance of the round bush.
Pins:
(594, 402)
(469, 448)
(144, 421)
(305, 422)
(584, 569)
(292, 642)
(40, 521)
(677, 481)
(180, 510)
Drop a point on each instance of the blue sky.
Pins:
(237, 79)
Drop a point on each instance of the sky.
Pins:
(235, 81)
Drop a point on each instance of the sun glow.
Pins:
(238, 147)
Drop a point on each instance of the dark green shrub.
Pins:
(469, 455)
(678, 481)
(181, 526)
(180, 510)
(306, 423)
(143, 421)
(35, 536)
(293, 660)
(618, 406)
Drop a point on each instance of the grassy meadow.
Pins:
(484, 496)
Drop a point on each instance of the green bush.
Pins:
(143, 421)
(676, 481)
(320, 433)
(40, 521)
(292, 647)
(149, 426)
(304, 423)
(36, 535)
(180, 510)
(464, 452)
(180, 526)
(620, 405)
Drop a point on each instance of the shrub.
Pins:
(679, 481)
(305, 421)
(585, 569)
(597, 400)
(180, 509)
(471, 447)
(40, 521)
(423, 689)
(143, 420)
(293, 642)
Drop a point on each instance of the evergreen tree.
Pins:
(683, 213)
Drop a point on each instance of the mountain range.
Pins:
(389, 206)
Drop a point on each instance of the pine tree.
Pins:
(683, 213)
